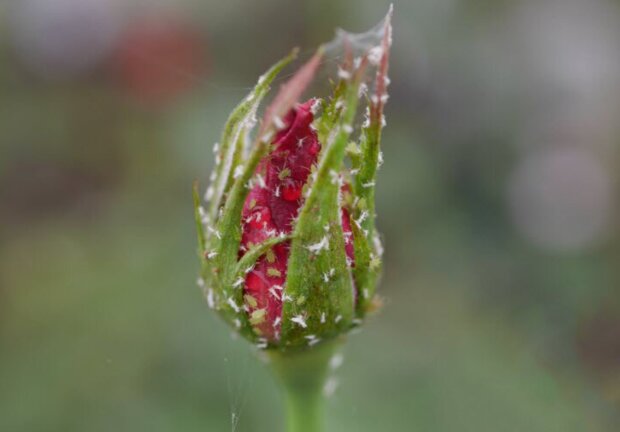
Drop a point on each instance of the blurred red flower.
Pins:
(158, 59)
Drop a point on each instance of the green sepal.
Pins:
(198, 217)
(228, 226)
(318, 247)
(366, 271)
(251, 256)
(331, 112)
(365, 161)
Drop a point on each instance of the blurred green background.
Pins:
(497, 201)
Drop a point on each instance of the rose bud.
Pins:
(289, 251)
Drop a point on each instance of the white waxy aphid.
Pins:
(249, 269)
(378, 245)
(366, 293)
(277, 287)
(233, 305)
(216, 148)
(357, 61)
(335, 176)
(336, 361)
(316, 248)
(328, 275)
(363, 89)
(312, 340)
(238, 282)
(294, 220)
(215, 232)
(316, 105)
(200, 282)
(238, 171)
(347, 128)
(369, 184)
(286, 297)
(261, 344)
(338, 319)
(300, 321)
(300, 142)
(267, 136)
(354, 172)
(277, 191)
(330, 387)
(213, 176)
(211, 255)
(344, 74)
(380, 159)
(211, 299)
(361, 219)
(375, 54)
(278, 122)
(209, 193)
(274, 293)
(276, 322)
(323, 318)
(313, 176)
(261, 181)
(249, 125)
(384, 98)
(237, 323)
(204, 217)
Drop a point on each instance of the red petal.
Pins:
(271, 209)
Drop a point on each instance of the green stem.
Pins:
(302, 376)
(304, 412)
